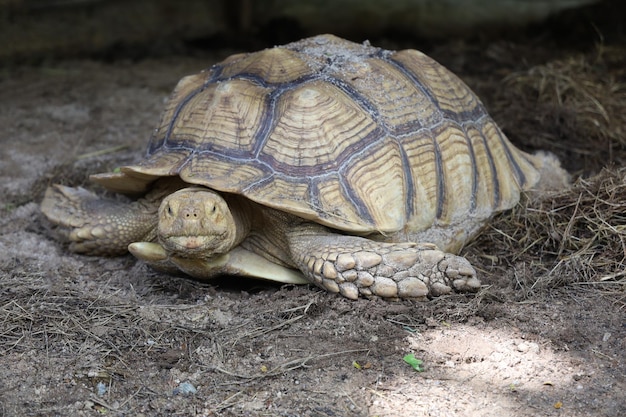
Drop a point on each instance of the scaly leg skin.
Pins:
(356, 266)
(97, 226)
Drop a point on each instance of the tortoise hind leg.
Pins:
(97, 226)
(355, 266)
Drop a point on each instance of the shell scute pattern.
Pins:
(317, 128)
(270, 66)
(451, 96)
(351, 136)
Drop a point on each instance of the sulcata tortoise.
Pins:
(358, 169)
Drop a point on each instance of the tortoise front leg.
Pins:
(97, 226)
(237, 261)
(354, 265)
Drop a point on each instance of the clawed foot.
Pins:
(405, 270)
(97, 226)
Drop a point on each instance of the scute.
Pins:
(222, 118)
(276, 65)
(449, 93)
(351, 136)
(316, 128)
(377, 183)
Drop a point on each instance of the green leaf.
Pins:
(414, 362)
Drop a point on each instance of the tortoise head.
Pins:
(196, 222)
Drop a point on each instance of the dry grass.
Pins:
(574, 236)
(573, 106)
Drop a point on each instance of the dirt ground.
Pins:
(84, 336)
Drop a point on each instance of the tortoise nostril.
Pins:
(189, 213)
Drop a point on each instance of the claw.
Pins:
(148, 251)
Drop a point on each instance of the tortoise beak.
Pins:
(189, 242)
(187, 246)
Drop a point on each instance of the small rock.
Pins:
(527, 346)
(101, 389)
(185, 388)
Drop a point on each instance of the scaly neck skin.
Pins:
(243, 213)
(272, 231)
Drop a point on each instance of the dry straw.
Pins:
(577, 236)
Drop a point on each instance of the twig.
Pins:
(284, 367)
(102, 152)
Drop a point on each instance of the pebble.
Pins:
(101, 389)
(185, 388)
(527, 346)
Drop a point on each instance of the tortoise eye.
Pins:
(169, 210)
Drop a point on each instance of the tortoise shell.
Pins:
(351, 136)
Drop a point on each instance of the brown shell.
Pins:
(348, 135)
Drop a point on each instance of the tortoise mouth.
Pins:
(189, 245)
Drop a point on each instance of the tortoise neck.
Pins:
(243, 213)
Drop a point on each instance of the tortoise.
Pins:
(359, 169)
